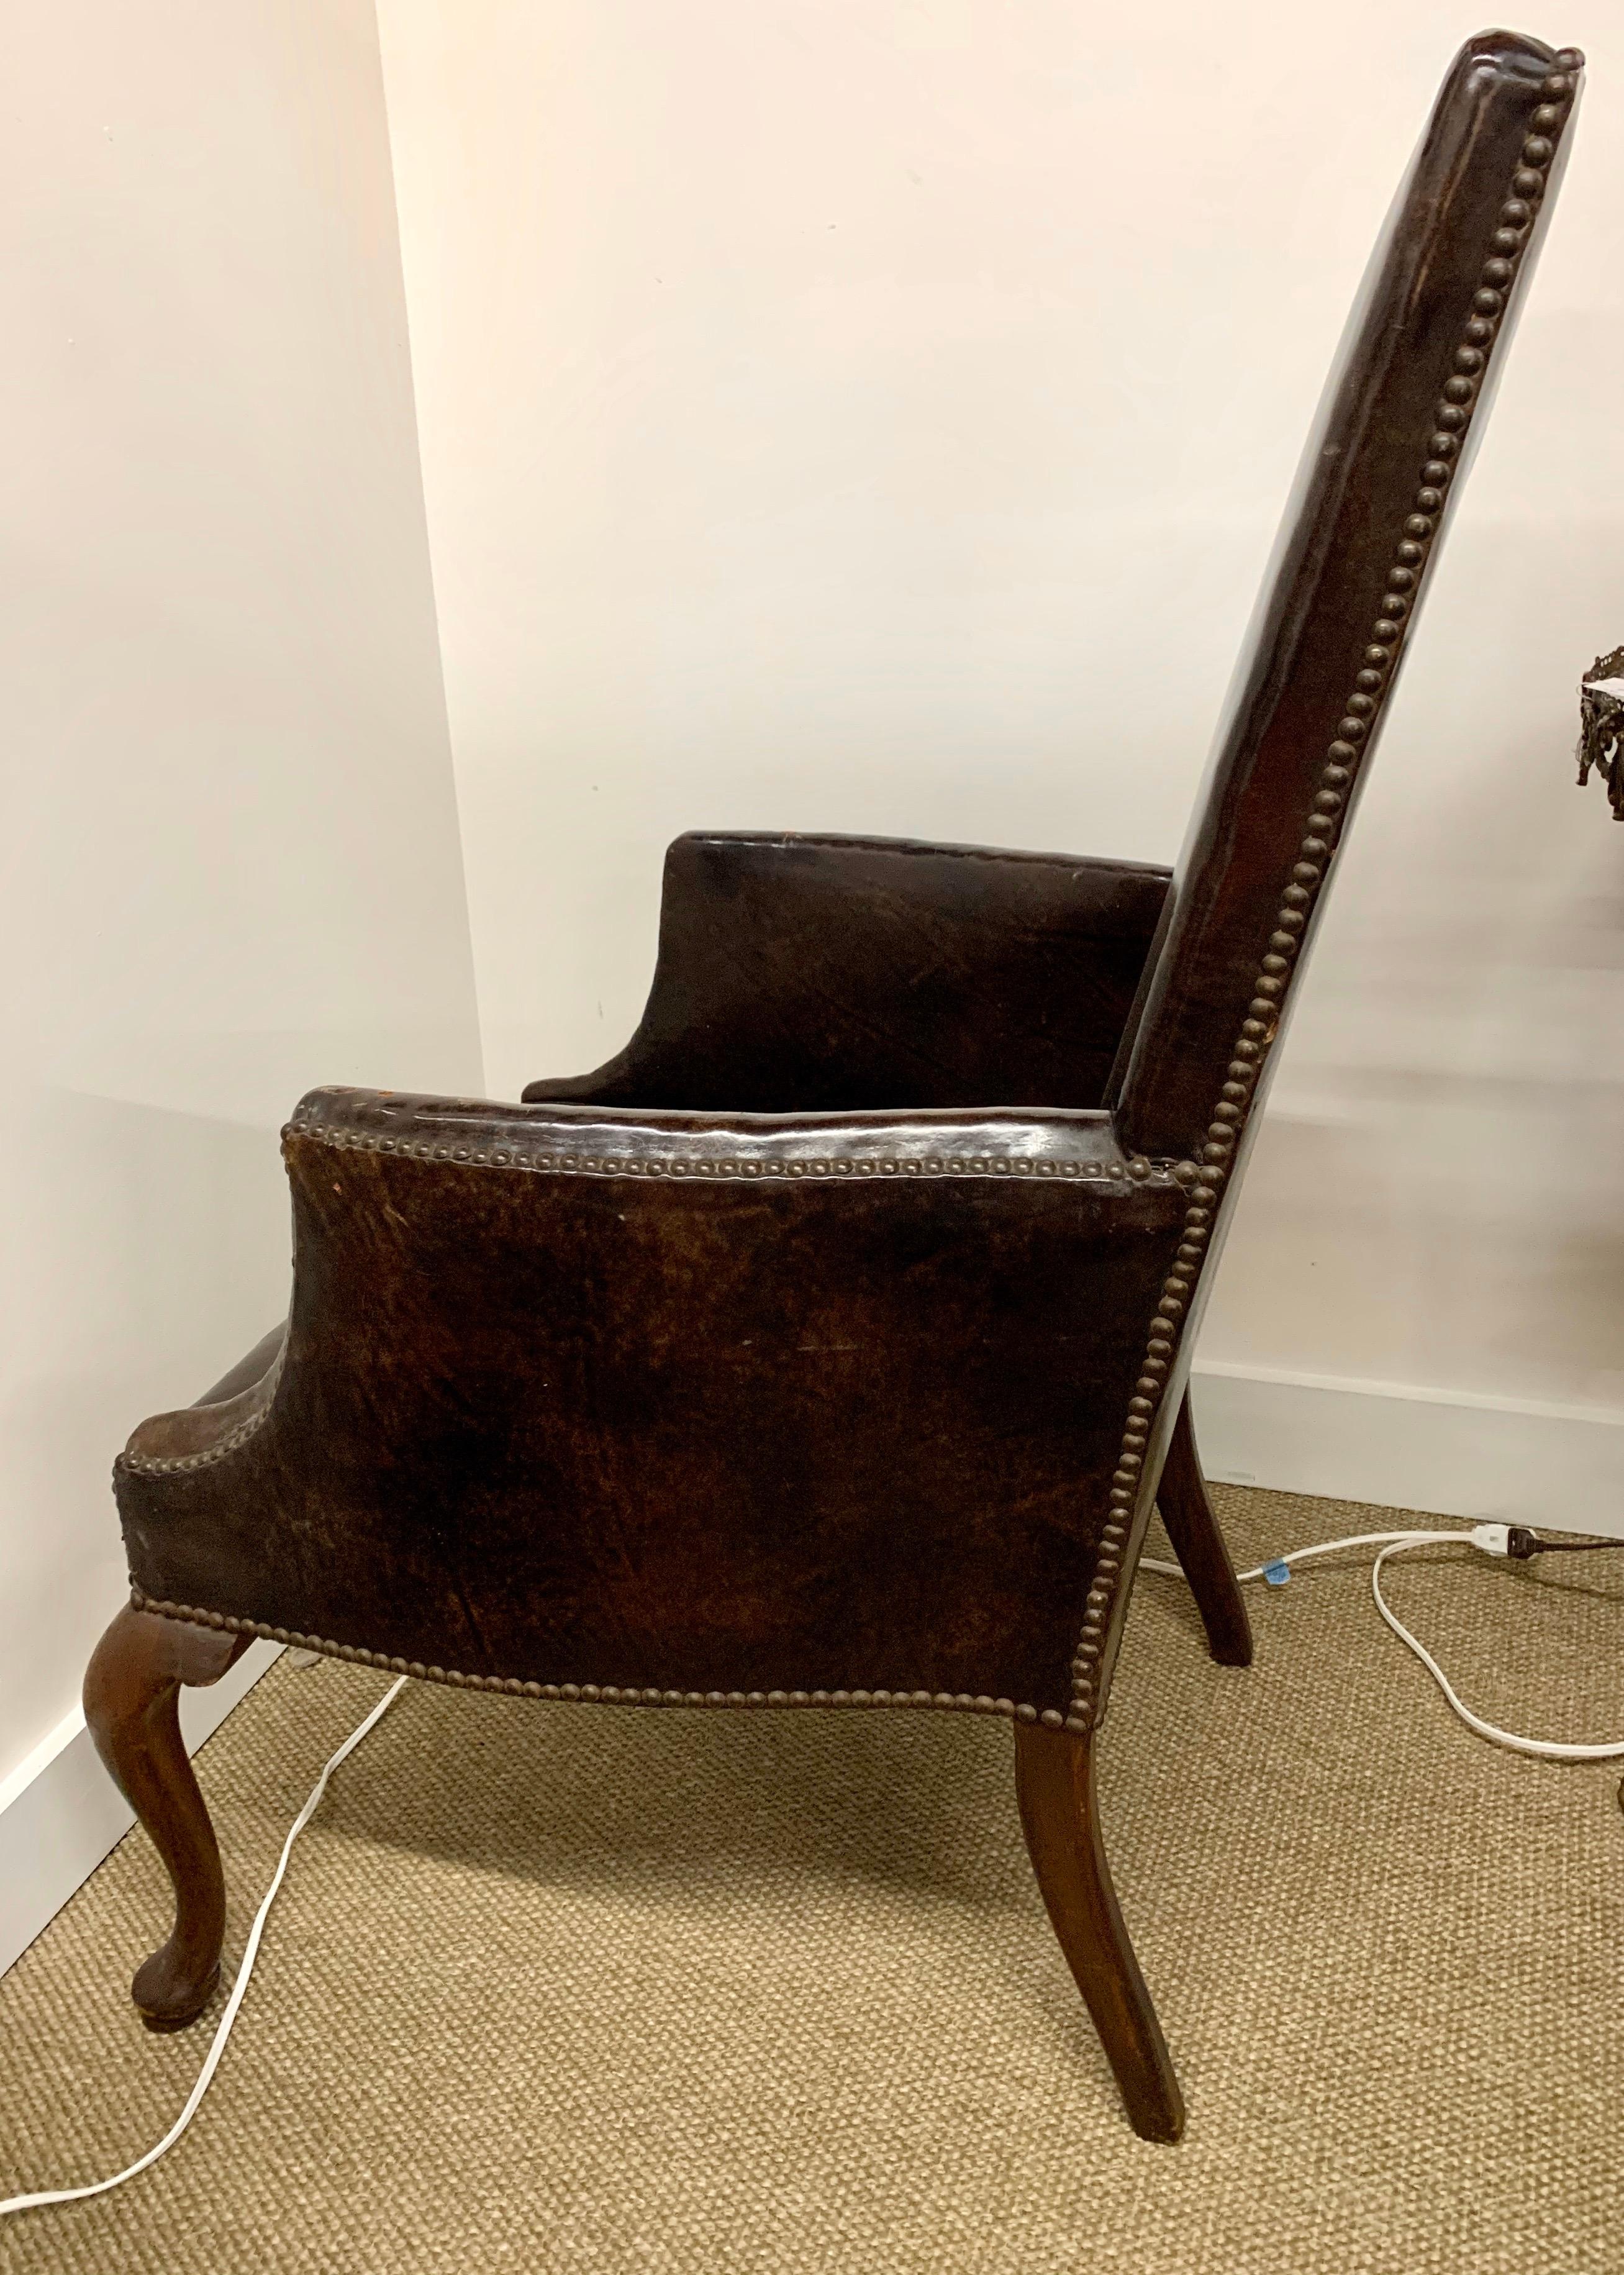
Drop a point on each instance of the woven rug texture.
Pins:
(572, 1988)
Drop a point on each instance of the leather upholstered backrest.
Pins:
(1386, 458)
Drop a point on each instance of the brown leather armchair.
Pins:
(828, 1347)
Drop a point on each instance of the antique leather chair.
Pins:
(828, 1347)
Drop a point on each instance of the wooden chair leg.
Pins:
(1055, 1784)
(1201, 1548)
(131, 1703)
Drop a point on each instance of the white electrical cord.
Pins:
(1489, 1540)
(211, 2060)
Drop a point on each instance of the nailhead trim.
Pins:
(1123, 1176)
(1453, 415)
(725, 1170)
(160, 1465)
(608, 1694)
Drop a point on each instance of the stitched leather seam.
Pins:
(1452, 415)
(605, 1693)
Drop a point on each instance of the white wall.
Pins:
(230, 844)
(876, 418)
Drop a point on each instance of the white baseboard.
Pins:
(60, 1812)
(1510, 1461)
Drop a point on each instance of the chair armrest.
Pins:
(688, 1402)
(841, 974)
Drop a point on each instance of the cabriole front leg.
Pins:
(131, 1703)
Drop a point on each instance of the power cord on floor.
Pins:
(1490, 1539)
(223, 2028)
(1515, 1541)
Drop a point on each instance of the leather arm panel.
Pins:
(689, 1402)
(841, 973)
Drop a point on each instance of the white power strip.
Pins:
(1489, 1540)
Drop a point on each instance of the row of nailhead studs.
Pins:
(162, 1465)
(606, 1693)
(169, 1465)
(1138, 1170)
(1260, 1026)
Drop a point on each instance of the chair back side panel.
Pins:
(1384, 463)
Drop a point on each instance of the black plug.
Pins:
(1523, 1543)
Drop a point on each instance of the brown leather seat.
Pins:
(828, 1347)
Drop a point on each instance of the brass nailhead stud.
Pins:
(1453, 415)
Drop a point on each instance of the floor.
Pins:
(565, 1988)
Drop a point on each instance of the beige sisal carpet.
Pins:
(564, 1988)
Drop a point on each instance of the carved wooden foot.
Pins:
(131, 1703)
(1201, 1548)
(1054, 1783)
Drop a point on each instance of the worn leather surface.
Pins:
(794, 1419)
(844, 972)
(618, 1394)
(1387, 455)
(1357, 486)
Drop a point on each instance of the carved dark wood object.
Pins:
(1601, 726)
(828, 1347)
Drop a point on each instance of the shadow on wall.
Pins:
(153, 1252)
(1424, 1234)
(1435, 1199)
